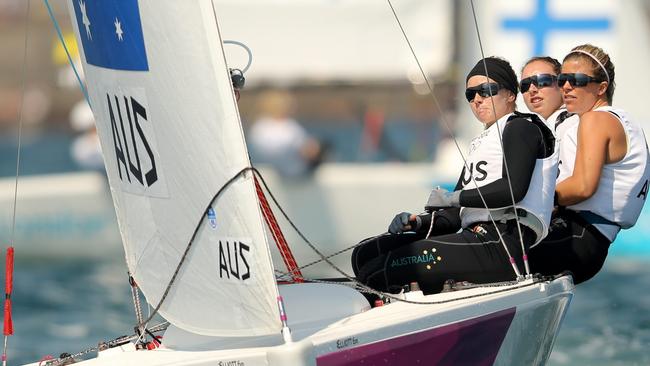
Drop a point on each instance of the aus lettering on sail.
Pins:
(234, 257)
(136, 160)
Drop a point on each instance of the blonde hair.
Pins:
(602, 66)
(276, 104)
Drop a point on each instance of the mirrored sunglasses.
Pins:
(484, 90)
(540, 81)
(576, 79)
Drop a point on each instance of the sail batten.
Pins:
(171, 137)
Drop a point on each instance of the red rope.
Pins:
(280, 241)
(44, 359)
(9, 279)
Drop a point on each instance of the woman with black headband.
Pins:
(603, 181)
(458, 237)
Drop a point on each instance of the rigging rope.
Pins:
(276, 232)
(20, 122)
(512, 196)
(504, 287)
(142, 325)
(8, 328)
(246, 48)
(65, 47)
(135, 294)
(362, 287)
(66, 359)
(324, 258)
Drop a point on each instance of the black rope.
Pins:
(324, 258)
(362, 287)
(66, 358)
(510, 285)
(189, 245)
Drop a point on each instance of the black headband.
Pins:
(498, 70)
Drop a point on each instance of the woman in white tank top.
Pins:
(603, 179)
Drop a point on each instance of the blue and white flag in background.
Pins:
(111, 34)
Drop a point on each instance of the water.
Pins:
(70, 306)
(608, 322)
(67, 306)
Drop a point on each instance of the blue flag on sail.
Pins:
(111, 34)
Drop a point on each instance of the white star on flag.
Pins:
(118, 30)
(85, 20)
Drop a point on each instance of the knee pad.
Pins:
(365, 251)
(377, 280)
(370, 268)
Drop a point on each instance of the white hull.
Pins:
(515, 326)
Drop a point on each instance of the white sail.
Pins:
(171, 135)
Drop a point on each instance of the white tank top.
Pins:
(485, 162)
(560, 127)
(623, 186)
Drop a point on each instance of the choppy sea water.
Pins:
(69, 306)
(608, 322)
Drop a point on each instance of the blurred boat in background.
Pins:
(60, 216)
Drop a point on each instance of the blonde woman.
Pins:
(603, 180)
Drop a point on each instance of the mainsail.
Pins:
(171, 135)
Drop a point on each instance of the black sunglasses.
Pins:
(576, 79)
(484, 90)
(540, 81)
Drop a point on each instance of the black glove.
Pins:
(401, 223)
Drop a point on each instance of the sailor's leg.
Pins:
(571, 245)
(369, 249)
(476, 256)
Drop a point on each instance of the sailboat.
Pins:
(192, 226)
